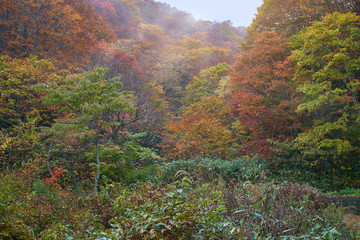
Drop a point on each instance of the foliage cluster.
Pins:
(295, 91)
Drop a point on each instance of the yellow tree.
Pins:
(206, 83)
(327, 57)
(21, 107)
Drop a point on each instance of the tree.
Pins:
(327, 55)
(261, 96)
(90, 105)
(153, 33)
(121, 16)
(291, 16)
(120, 63)
(150, 105)
(21, 107)
(223, 34)
(63, 31)
(206, 83)
(178, 65)
(176, 23)
(18, 99)
(205, 129)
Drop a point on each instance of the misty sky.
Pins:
(240, 12)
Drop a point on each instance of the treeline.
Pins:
(140, 81)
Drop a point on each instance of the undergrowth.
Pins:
(187, 199)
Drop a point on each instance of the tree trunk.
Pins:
(49, 156)
(37, 30)
(355, 100)
(97, 168)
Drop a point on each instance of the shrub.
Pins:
(286, 211)
(36, 209)
(208, 170)
(175, 212)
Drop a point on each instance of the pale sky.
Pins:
(240, 12)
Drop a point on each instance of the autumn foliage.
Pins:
(261, 97)
(62, 31)
(114, 113)
(203, 130)
(291, 16)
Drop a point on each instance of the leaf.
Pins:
(239, 211)
(256, 206)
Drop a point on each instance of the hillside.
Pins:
(130, 119)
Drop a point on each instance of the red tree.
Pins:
(262, 98)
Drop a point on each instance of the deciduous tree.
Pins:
(21, 108)
(91, 106)
(18, 99)
(205, 129)
(327, 55)
(63, 31)
(261, 96)
(206, 83)
(290, 16)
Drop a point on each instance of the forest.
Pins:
(131, 119)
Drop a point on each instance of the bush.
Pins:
(286, 211)
(246, 211)
(40, 209)
(327, 175)
(208, 170)
(175, 212)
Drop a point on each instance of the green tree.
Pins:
(206, 83)
(327, 55)
(89, 104)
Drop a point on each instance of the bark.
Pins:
(96, 190)
(49, 156)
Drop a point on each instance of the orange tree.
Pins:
(206, 128)
(290, 16)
